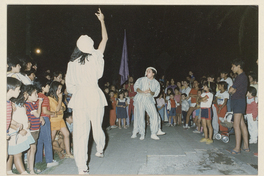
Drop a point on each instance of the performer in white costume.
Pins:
(147, 88)
(84, 69)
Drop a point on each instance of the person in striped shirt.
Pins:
(33, 113)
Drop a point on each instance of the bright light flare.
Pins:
(38, 51)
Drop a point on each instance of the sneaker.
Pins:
(155, 137)
(203, 140)
(252, 142)
(196, 131)
(209, 141)
(69, 156)
(168, 124)
(202, 134)
(53, 163)
(142, 137)
(160, 132)
(114, 126)
(86, 172)
(108, 128)
(184, 126)
(99, 155)
(134, 136)
(188, 127)
(124, 127)
(175, 124)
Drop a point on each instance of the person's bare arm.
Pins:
(103, 42)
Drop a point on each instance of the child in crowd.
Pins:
(58, 145)
(113, 110)
(184, 107)
(43, 85)
(229, 81)
(30, 75)
(128, 102)
(57, 76)
(57, 122)
(206, 113)
(69, 122)
(106, 122)
(197, 119)
(113, 88)
(161, 105)
(220, 102)
(171, 108)
(121, 113)
(177, 97)
(167, 98)
(252, 115)
(33, 114)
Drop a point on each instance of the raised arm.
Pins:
(102, 44)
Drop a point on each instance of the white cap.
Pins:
(150, 68)
(85, 44)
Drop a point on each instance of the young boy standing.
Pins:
(229, 82)
(147, 88)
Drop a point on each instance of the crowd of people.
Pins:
(40, 106)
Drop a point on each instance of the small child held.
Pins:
(252, 115)
(171, 108)
(121, 113)
(206, 113)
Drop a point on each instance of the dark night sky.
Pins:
(174, 39)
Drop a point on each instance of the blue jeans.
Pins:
(44, 139)
(161, 113)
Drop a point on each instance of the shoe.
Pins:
(175, 124)
(86, 172)
(188, 127)
(155, 137)
(245, 150)
(252, 142)
(203, 140)
(184, 126)
(99, 155)
(160, 132)
(214, 136)
(168, 124)
(24, 173)
(53, 163)
(120, 128)
(196, 131)
(114, 126)
(69, 156)
(124, 127)
(142, 137)
(9, 172)
(209, 141)
(134, 136)
(108, 128)
(233, 152)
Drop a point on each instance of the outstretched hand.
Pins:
(99, 15)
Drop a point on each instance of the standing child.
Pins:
(121, 113)
(229, 82)
(113, 110)
(184, 107)
(167, 98)
(198, 112)
(177, 97)
(221, 98)
(206, 113)
(161, 105)
(127, 108)
(57, 122)
(171, 108)
(252, 115)
(33, 113)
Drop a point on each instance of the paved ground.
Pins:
(178, 152)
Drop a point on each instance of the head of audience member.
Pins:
(55, 89)
(224, 74)
(252, 92)
(169, 91)
(188, 78)
(57, 76)
(211, 78)
(172, 82)
(190, 73)
(68, 117)
(125, 93)
(111, 93)
(171, 96)
(209, 87)
(42, 85)
(179, 85)
(253, 78)
(34, 65)
(218, 79)
(13, 87)
(26, 62)
(222, 86)
(199, 92)
(106, 90)
(14, 65)
(183, 96)
(237, 66)
(131, 80)
(195, 84)
(107, 84)
(121, 94)
(185, 84)
(31, 74)
(177, 91)
(113, 88)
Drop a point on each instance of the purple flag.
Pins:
(124, 71)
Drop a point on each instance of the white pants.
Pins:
(82, 121)
(139, 118)
(215, 120)
(252, 128)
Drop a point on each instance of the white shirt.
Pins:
(143, 84)
(207, 104)
(24, 79)
(82, 82)
(228, 81)
(187, 91)
(160, 102)
(221, 97)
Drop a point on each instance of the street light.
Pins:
(38, 51)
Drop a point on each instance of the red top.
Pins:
(44, 104)
(193, 92)
(173, 104)
(8, 114)
(252, 108)
(132, 92)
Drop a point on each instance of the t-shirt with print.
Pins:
(221, 97)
